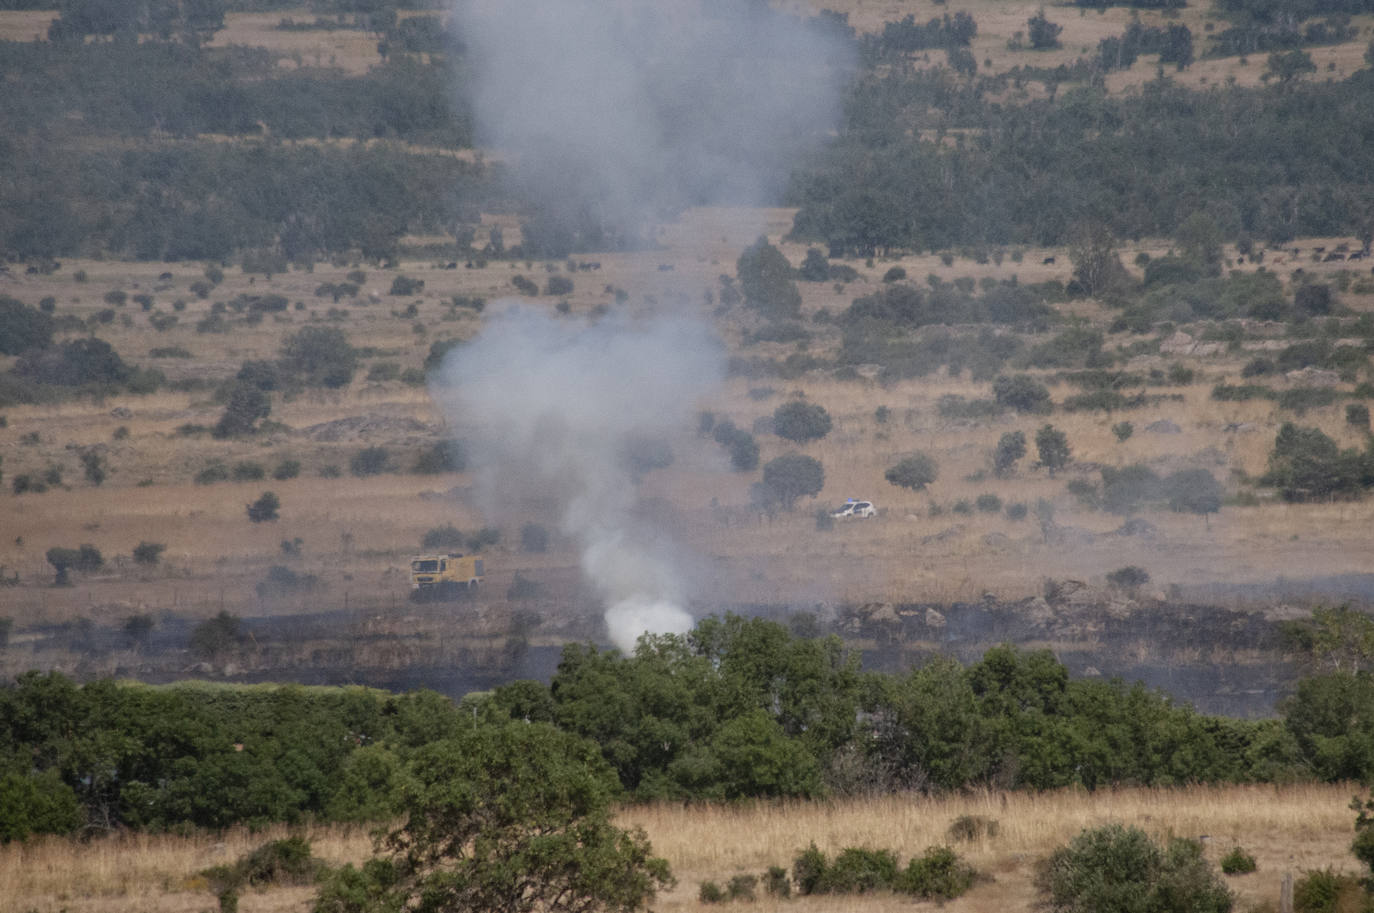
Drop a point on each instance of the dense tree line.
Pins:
(738, 708)
(1272, 163)
(132, 88)
(206, 200)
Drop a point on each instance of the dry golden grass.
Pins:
(1286, 828)
(357, 533)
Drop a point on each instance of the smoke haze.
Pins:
(614, 114)
(550, 405)
(629, 110)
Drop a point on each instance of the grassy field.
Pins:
(1287, 829)
(358, 532)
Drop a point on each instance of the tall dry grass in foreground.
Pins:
(1288, 828)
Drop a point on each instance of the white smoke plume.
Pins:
(628, 109)
(611, 114)
(551, 404)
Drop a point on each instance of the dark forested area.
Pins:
(740, 708)
(928, 161)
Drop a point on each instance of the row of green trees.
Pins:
(202, 200)
(1032, 173)
(130, 89)
(739, 708)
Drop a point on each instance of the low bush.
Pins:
(988, 503)
(776, 882)
(1237, 862)
(248, 471)
(742, 887)
(215, 472)
(281, 581)
(973, 827)
(265, 508)
(1328, 891)
(148, 552)
(287, 469)
(710, 892)
(370, 461)
(939, 874)
(442, 537)
(1116, 869)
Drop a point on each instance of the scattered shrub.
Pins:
(265, 508)
(441, 538)
(1128, 577)
(801, 421)
(281, 581)
(148, 552)
(938, 874)
(973, 827)
(370, 461)
(988, 503)
(402, 286)
(1123, 431)
(1116, 869)
(287, 469)
(1017, 510)
(776, 882)
(215, 472)
(857, 870)
(1327, 891)
(441, 456)
(742, 887)
(1237, 862)
(710, 892)
(248, 471)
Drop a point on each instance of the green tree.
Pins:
(914, 472)
(1011, 447)
(265, 508)
(815, 268)
(1307, 465)
(792, 476)
(1096, 267)
(246, 406)
(36, 804)
(1021, 392)
(509, 818)
(765, 277)
(320, 356)
(1053, 447)
(801, 421)
(1194, 491)
(65, 560)
(216, 636)
(93, 463)
(1043, 34)
(22, 328)
(1287, 66)
(1199, 240)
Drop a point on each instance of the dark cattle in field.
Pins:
(1357, 255)
(164, 277)
(1048, 261)
(1319, 250)
(452, 264)
(1331, 257)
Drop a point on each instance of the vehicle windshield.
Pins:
(427, 566)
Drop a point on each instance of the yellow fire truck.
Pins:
(444, 576)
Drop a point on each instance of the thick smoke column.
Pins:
(551, 406)
(610, 114)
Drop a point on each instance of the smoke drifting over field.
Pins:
(553, 404)
(622, 111)
(611, 116)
